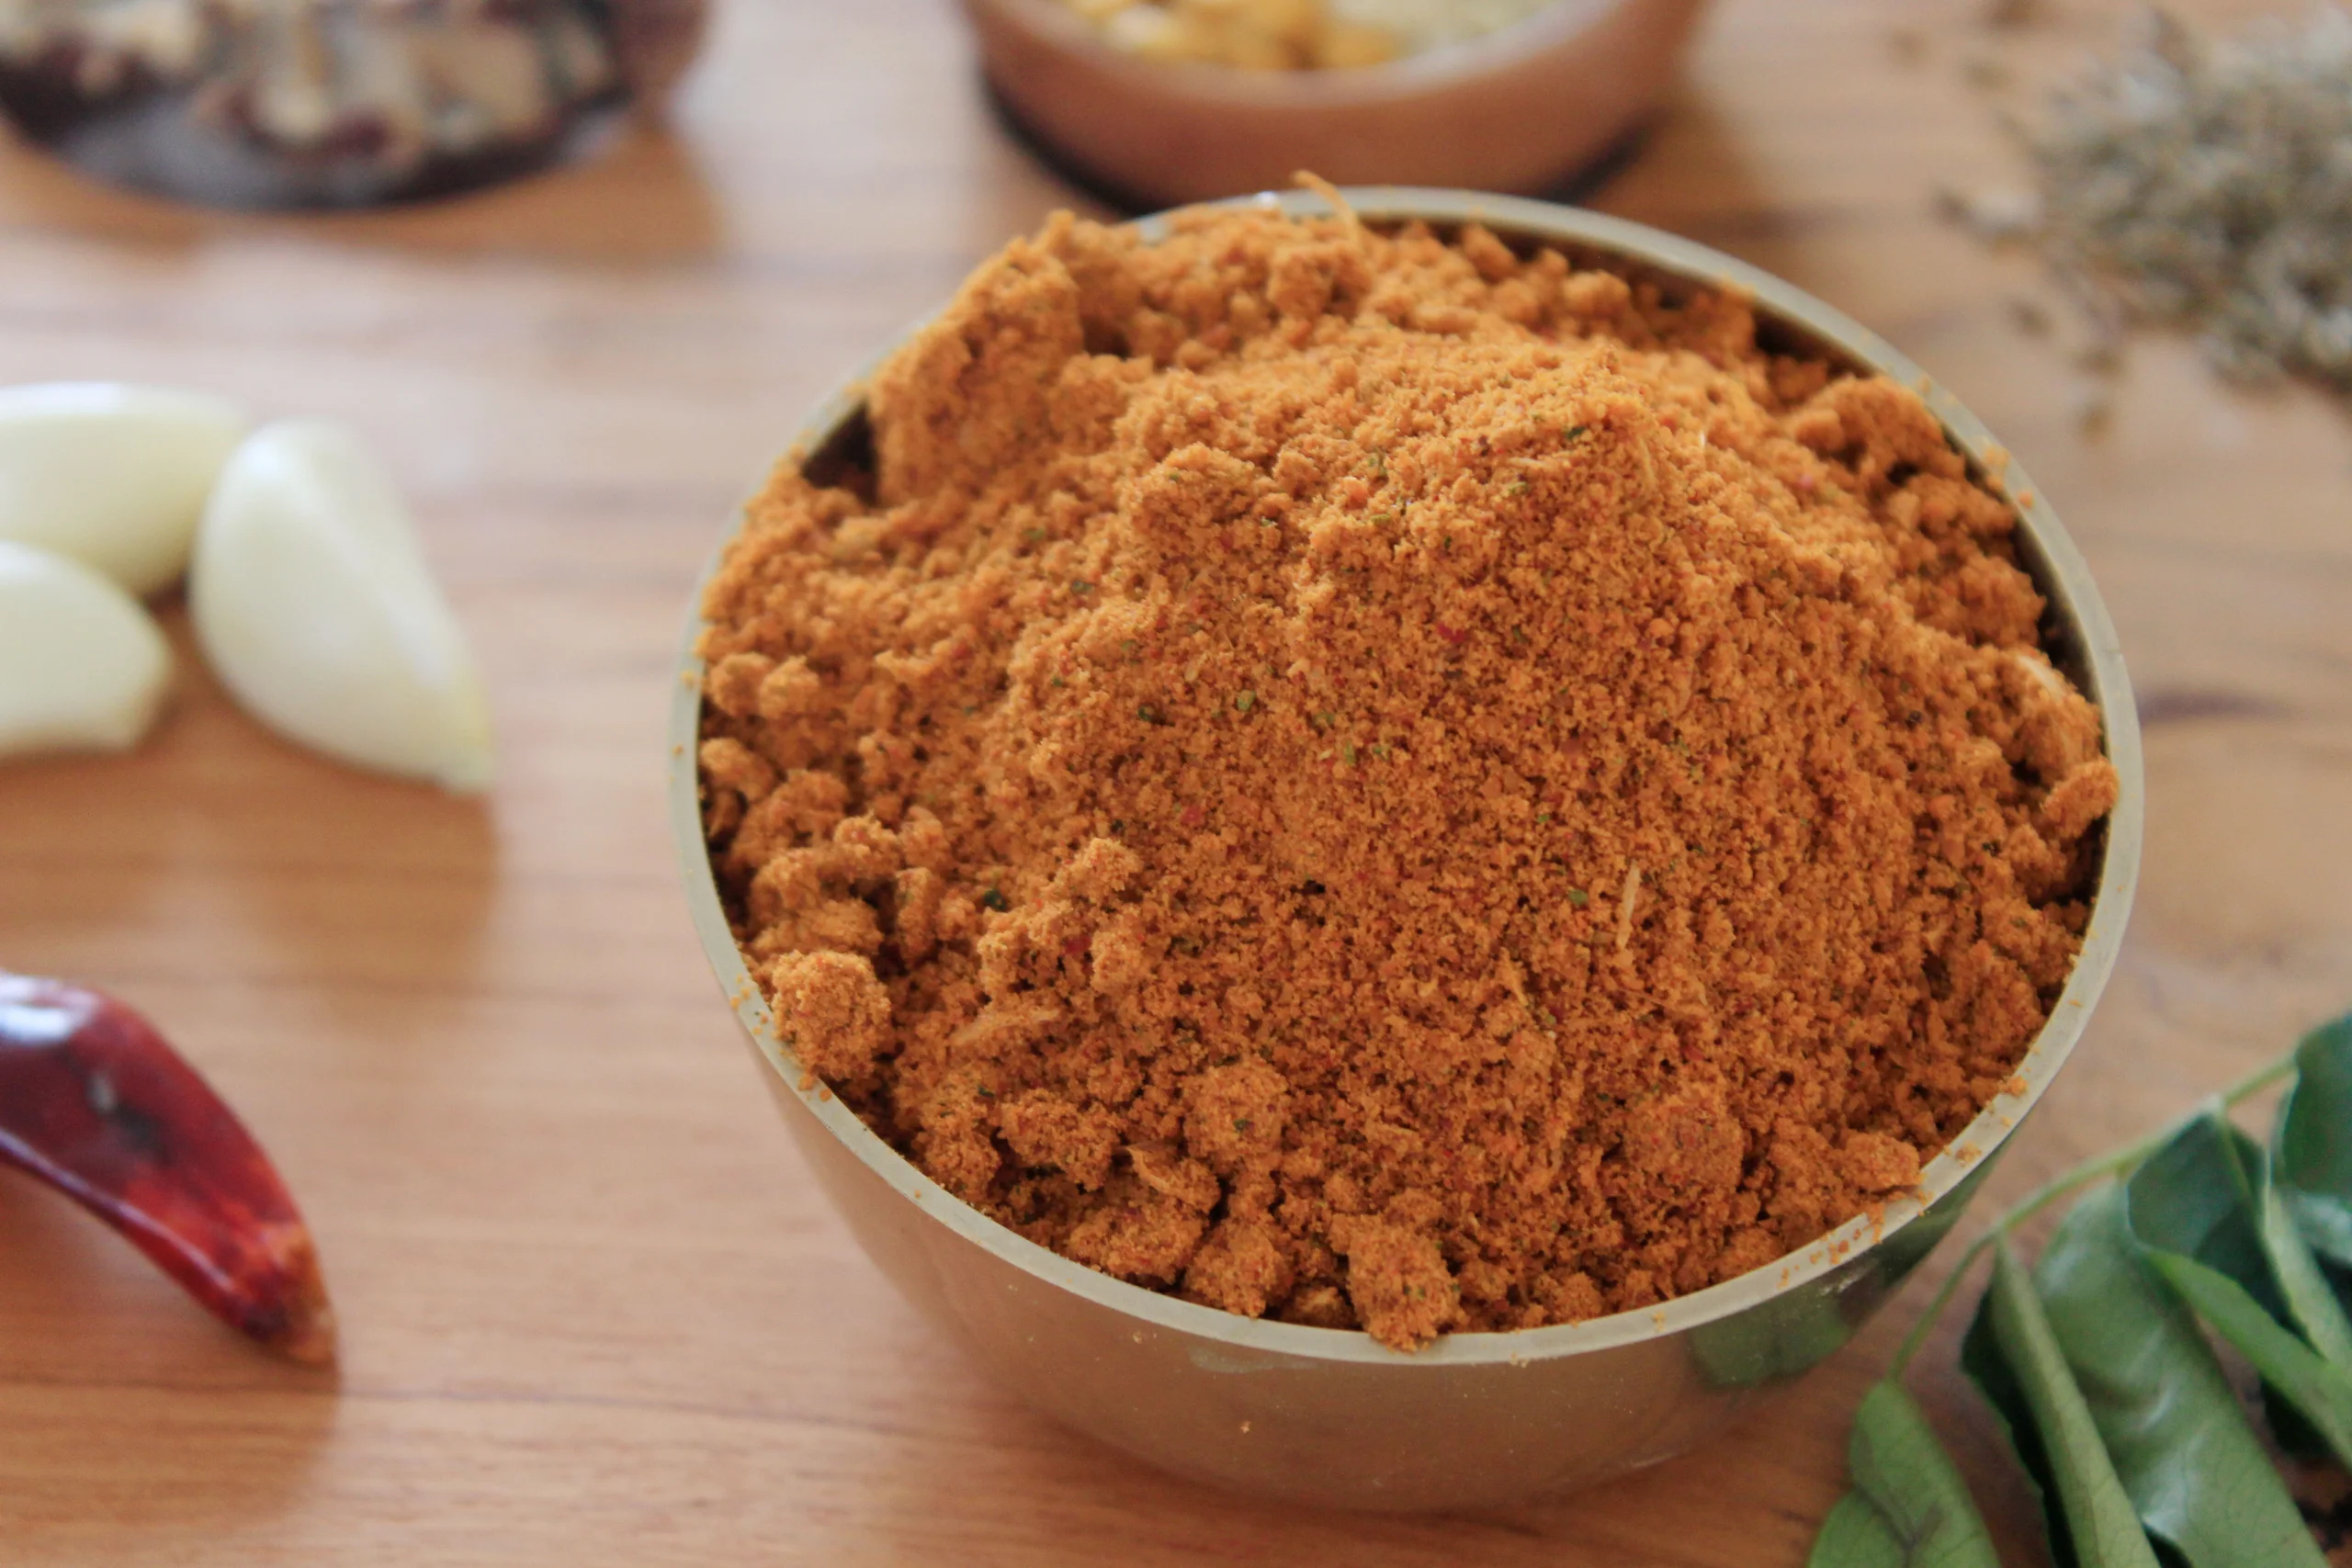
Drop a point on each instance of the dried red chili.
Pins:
(96, 1103)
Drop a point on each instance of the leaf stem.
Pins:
(2114, 1162)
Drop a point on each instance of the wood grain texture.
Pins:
(594, 1313)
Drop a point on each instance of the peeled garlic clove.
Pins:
(113, 476)
(312, 600)
(82, 666)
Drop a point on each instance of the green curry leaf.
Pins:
(2113, 1400)
(2313, 1155)
(1909, 1508)
(2312, 1303)
(2015, 1360)
(2205, 1216)
(2197, 1197)
(1856, 1535)
(2182, 1449)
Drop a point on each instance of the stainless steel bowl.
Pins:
(1328, 1417)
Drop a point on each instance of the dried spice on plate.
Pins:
(2198, 181)
(328, 102)
(2207, 182)
(1383, 783)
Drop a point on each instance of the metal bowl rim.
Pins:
(2073, 595)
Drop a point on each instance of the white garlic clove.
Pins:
(113, 476)
(82, 666)
(312, 600)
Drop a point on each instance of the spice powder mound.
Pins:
(1374, 782)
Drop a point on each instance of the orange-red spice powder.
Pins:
(1385, 782)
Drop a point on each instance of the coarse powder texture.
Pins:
(1380, 783)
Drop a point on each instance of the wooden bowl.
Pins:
(1521, 109)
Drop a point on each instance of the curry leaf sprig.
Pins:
(2111, 1397)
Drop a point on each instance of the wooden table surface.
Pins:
(594, 1313)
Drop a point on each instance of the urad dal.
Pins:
(1384, 783)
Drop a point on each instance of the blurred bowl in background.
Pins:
(331, 102)
(1524, 108)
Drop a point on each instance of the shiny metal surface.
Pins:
(1328, 1417)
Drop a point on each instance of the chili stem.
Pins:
(2112, 1163)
